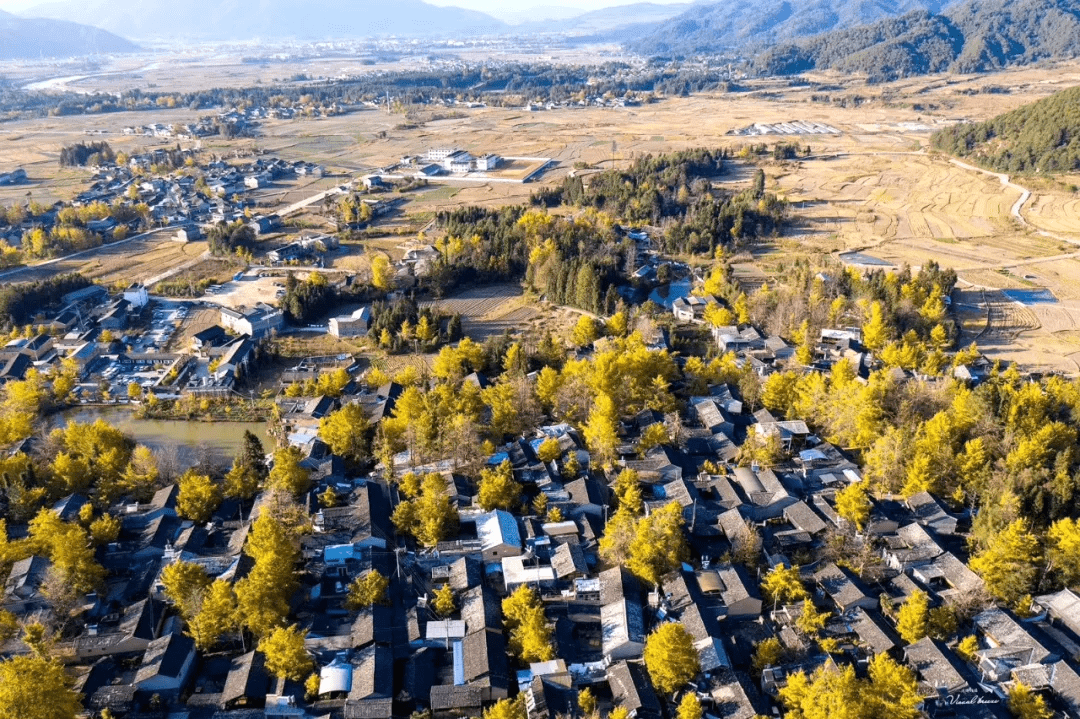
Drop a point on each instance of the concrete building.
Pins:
(136, 296)
(354, 325)
(499, 535)
(255, 323)
(438, 154)
(188, 233)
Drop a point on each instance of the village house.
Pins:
(351, 325)
(255, 323)
(622, 617)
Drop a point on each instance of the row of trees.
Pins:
(86, 153)
(506, 84)
(21, 302)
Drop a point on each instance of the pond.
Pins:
(191, 440)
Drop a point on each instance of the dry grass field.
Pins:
(873, 188)
(142, 259)
(490, 311)
(487, 311)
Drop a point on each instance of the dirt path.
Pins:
(1018, 206)
(176, 270)
(1019, 263)
(33, 270)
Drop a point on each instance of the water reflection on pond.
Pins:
(191, 440)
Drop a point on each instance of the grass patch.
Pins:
(441, 193)
(1017, 278)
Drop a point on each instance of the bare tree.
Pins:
(168, 462)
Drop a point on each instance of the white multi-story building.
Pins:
(136, 296)
(254, 323)
(354, 325)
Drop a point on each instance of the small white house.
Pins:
(499, 535)
(353, 325)
(136, 296)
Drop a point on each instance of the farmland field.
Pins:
(140, 259)
(874, 188)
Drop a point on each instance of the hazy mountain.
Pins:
(248, 19)
(738, 24)
(975, 36)
(608, 19)
(538, 13)
(36, 37)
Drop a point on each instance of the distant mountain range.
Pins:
(252, 19)
(607, 20)
(23, 38)
(883, 38)
(741, 24)
(974, 36)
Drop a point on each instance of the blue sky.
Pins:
(498, 8)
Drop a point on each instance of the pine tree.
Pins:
(876, 331)
(659, 544)
(853, 504)
(1063, 550)
(33, 687)
(443, 601)
(346, 433)
(1025, 704)
(198, 497)
(216, 616)
(287, 473)
(185, 584)
(600, 432)
(689, 707)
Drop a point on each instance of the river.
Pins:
(191, 439)
(61, 83)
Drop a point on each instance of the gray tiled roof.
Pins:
(373, 674)
(936, 669)
(630, 688)
(444, 697)
(165, 657)
(485, 655)
(839, 585)
(247, 677)
(569, 560)
(481, 609)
